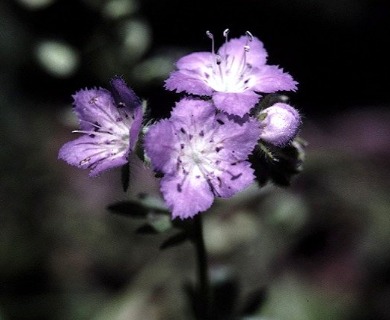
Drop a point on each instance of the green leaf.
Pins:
(175, 240)
(146, 229)
(161, 222)
(132, 209)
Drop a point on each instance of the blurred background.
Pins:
(318, 250)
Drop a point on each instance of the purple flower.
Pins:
(233, 77)
(279, 124)
(110, 123)
(202, 154)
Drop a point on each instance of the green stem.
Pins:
(203, 275)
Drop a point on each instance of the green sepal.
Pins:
(278, 164)
(269, 100)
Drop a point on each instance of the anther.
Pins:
(93, 100)
(226, 33)
(249, 35)
(84, 161)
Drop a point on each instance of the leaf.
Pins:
(277, 165)
(157, 223)
(153, 202)
(161, 222)
(175, 240)
(132, 209)
(146, 229)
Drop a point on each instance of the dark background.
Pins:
(336, 50)
(320, 247)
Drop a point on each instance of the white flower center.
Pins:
(112, 135)
(229, 73)
(198, 156)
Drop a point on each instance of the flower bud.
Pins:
(279, 124)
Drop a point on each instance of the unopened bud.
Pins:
(279, 124)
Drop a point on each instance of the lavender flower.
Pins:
(110, 123)
(279, 124)
(233, 76)
(202, 155)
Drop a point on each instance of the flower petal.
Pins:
(235, 103)
(235, 177)
(130, 105)
(256, 56)
(193, 112)
(135, 127)
(92, 153)
(271, 79)
(189, 81)
(239, 139)
(160, 144)
(123, 95)
(195, 61)
(186, 199)
(95, 107)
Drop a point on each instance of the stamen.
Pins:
(93, 165)
(94, 124)
(249, 37)
(225, 34)
(211, 36)
(86, 160)
(89, 158)
(218, 61)
(246, 50)
(95, 133)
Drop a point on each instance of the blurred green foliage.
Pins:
(320, 248)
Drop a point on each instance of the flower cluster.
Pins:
(202, 150)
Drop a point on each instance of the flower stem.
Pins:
(202, 266)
